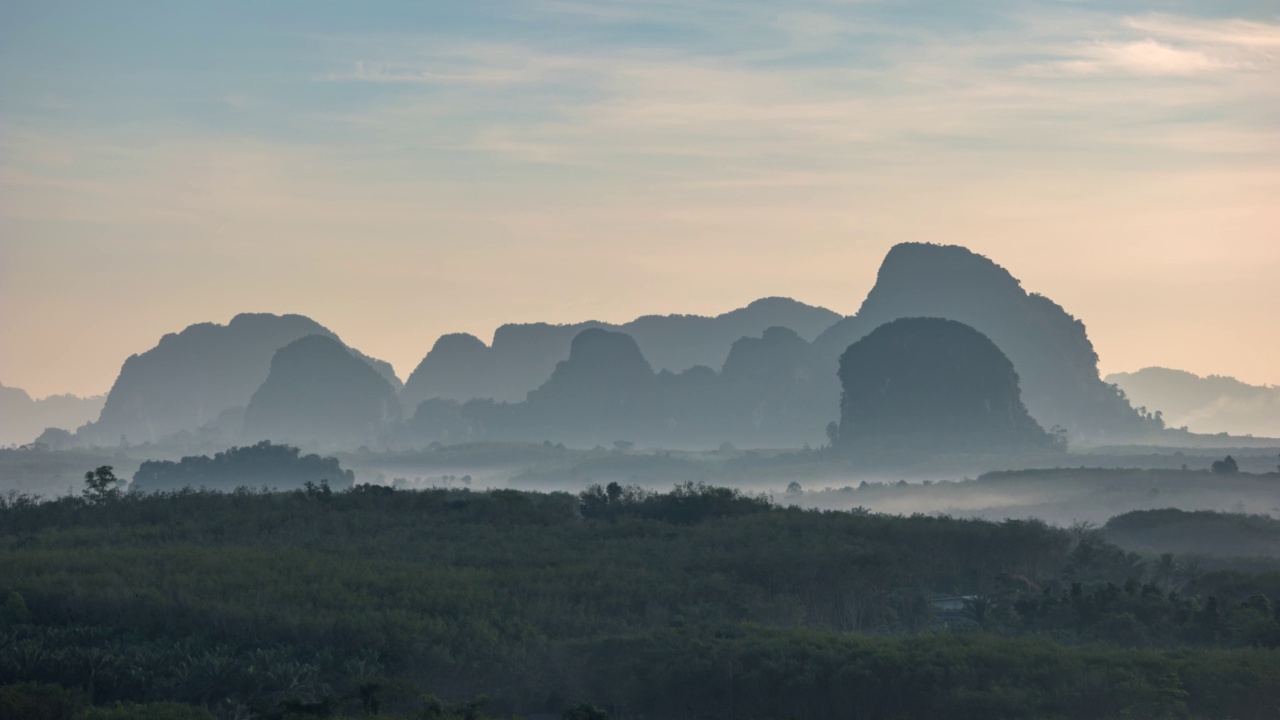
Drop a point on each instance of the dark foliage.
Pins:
(261, 465)
(697, 603)
(1225, 466)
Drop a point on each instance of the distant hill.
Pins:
(928, 386)
(606, 391)
(772, 386)
(1049, 348)
(319, 394)
(23, 419)
(1200, 532)
(1210, 404)
(192, 378)
(767, 392)
(522, 356)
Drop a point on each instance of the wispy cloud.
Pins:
(1231, 32)
(1141, 57)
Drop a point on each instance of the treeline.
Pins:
(261, 465)
(1201, 532)
(701, 602)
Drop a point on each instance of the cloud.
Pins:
(1232, 32)
(1142, 57)
(1166, 45)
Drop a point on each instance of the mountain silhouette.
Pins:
(604, 391)
(767, 389)
(318, 393)
(1210, 404)
(22, 419)
(1048, 347)
(929, 385)
(191, 378)
(522, 357)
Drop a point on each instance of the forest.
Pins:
(698, 602)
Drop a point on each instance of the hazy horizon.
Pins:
(397, 172)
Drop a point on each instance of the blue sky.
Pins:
(401, 170)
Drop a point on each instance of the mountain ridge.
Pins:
(190, 378)
(523, 355)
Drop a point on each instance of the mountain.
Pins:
(1210, 404)
(195, 377)
(22, 419)
(1049, 348)
(767, 390)
(928, 386)
(776, 388)
(318, 393)
(604, 391)
(522, 356)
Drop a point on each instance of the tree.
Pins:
(1166, 570)
(585, 711)
(1061, 439)
(1225, 466)
(14, 611)
(101, 485)
(981, 609)
(833, 433)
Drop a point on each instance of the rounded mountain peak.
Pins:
(318, 392)
(599, 347)
(929, 384)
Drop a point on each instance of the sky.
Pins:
(399, 170)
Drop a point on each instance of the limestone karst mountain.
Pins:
(607, 391)
(606, 386)
(929, 385)
(1210, 404)
(23, 419)
(318, 394)
(192, 378)
(1048, 347)
(752, 377)
(522, 356)
(766, 391)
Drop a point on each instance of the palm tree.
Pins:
(1187, 572)
(1166, 570)
(981, 609)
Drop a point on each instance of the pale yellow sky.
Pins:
(396, 184)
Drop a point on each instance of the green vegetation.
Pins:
(701, 602)
(1196, 533)
(261, 465)
(101, 485)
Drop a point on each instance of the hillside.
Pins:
(191, 378)
(924, 386)
(22, 418)
(1212, 404)
(1049, 348)
(461, 367)
(318, 394)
